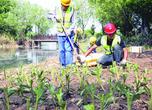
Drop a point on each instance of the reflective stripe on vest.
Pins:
(64, 20)
(109, 48)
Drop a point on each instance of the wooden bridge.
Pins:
(45, 42)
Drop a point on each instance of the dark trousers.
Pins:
(117, 56)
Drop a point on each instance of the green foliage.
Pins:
(18, 18)
(108, 10)
(84, 12)
(89, 107)
(150, 101)
(60, 100)
(88, 33)
(142, 8)
(105, 100)
(6, 98)
(129, 15)
(129, 96)
(5, 7)
(28, 104)
(89, 91)
(115, 90)
(6, 39)
(52, 91)
(139, 40)
(39, 92)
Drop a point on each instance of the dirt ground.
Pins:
(144, 61)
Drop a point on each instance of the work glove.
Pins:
(123, 62)
(68, 32)
(81, 58)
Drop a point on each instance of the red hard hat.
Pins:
(109, 28)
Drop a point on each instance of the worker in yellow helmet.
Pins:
(65, 17)
(92, 41)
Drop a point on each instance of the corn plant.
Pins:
(129, 65)
(89, 91)
(105, 100)
(112, 87)
(115, 70)
(57, 96)
(65, 78)
(28, 103)
(53, 75)
(7, 93)
(22, 81)
(150, 100)
(68, 73)
(60, 77)
(144, 80)
(6, 98)
(98, 73)
(140, 83)
(121, 87)
(129, 96)
(136, 81)
(89, 107)
(68, 84)
(39, 89)
(61, 102)
(82, 76)
(52, 91)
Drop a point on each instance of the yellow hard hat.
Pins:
(79, 30)
(65, 2)
(92, 40)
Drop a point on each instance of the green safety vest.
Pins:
(109, 48)
(65, 20)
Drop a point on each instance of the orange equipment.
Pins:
(90, 60)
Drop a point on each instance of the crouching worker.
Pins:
(114, 46)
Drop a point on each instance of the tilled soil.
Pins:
(144, 61)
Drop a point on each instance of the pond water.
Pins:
(16, 57)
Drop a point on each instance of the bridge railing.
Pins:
(45, 38)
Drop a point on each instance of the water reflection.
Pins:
(16, 57)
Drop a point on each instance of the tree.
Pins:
(122, 13)
(24, 16)
(143, 10)
(5, 7)
(84, 13)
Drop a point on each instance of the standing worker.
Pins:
(114, 46)
(65, 27)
